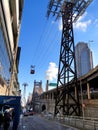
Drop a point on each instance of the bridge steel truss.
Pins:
(69, 10)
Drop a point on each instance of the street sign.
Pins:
(52, 84)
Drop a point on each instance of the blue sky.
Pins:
(40, 41)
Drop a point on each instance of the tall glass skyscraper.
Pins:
(84, 59)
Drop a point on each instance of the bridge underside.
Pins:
(88, 95)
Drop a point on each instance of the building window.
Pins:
(4, 58)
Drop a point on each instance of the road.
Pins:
(36, 122)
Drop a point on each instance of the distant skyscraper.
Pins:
(84, 59)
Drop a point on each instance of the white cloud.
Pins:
(60, 24)
(96, 22)
(82, 25)
(82, 17)
(52, 71)
(53, 22)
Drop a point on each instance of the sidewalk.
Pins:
(20, 126)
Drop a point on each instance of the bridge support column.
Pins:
(75, 93)
(88, 91)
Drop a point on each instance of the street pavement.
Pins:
(36, 122)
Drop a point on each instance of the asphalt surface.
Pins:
(37, 122)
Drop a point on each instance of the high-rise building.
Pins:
(84, 59)
(10, 20)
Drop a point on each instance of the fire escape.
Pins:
(67, 101)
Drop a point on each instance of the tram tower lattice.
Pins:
(69, 10)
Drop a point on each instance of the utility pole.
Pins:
(66, 102)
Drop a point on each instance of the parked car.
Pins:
(28, 113)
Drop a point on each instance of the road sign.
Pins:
(52, 84)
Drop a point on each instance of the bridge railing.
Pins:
(85, 123)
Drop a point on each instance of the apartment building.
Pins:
(10, 21)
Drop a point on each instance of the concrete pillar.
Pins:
(47, 85)
(66, 96)
(52, 96)
(88, 91)
(75, 93)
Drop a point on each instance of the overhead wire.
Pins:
(43, 47)
(47, 51)
(49, 48)
(39, 41)
(46, 45)
(42, 44)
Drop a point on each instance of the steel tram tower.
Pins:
(69, 10)
(24, 93)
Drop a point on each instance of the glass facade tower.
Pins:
(84, 60)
